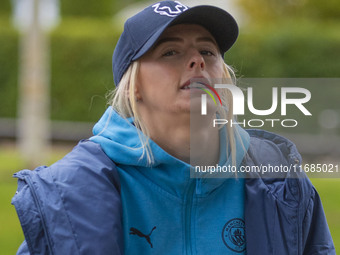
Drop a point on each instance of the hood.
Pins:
(119, 139)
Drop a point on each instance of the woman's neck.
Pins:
(191, 139)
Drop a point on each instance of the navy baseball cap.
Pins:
(142, 30)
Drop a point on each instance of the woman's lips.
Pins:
(186, 85)
(195, 83)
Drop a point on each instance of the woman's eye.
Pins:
(207, 53)
(169, 53)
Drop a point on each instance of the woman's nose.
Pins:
(196, 60)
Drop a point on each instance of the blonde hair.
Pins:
(123, 101)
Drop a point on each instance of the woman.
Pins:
(128, 189)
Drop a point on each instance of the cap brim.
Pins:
(217, 21)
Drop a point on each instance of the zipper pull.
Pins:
(198, 186)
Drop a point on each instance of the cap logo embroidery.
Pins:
(168, 10)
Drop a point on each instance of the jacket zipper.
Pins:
(188, 218)
(194, 186)
(28, 181)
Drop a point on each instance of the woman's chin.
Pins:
(196, 107)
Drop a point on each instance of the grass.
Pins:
(11, 234)
(328, 190)
(10, 231)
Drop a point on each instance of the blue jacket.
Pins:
(79, 205)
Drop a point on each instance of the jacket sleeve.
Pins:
(31, 218)
(316, 235)
(72, 207)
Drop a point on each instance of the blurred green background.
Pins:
(295, 38)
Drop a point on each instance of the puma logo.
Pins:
(134, 231)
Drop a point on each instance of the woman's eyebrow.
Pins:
(179, 39)
(167, 39)
(206, 39)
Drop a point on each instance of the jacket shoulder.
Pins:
(85, 163)
(280, 161)
(288, 199)
(269, 147)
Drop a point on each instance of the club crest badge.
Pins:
(233, 235)
(170, 11)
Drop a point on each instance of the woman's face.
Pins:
(183, 52)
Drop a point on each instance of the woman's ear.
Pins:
(138, 95)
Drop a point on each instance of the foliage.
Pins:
(81, 68)
(93, 8)
(291, 48)
(89, 8)
(6, 8)
(276, 10)
(8, 68)
(76, 8)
